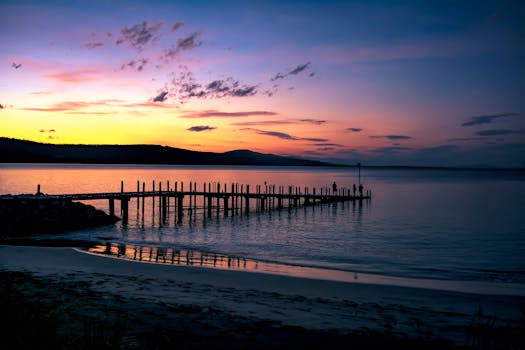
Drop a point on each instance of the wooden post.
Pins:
(121, 186)
(164, 207)
(38, 189)
(191, 197)
(226, 205)
(247, 204)
(143, 196)
(160, 197)
(138, 198)
(124, 209)
(179, 206)
(111, 207)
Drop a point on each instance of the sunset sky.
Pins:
(439, 83)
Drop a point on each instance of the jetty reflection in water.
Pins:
(186, 257)
(170, 256)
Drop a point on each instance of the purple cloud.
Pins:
(497, 132)
(93, 46)
(300, 68)
(313, 121)
(354, 129)
(183, 44)
(138, 64)
(285, 136)
(139, 35)
(393, 149)
(185, 87)
(219, 114)
(391, 137)
(486, 119)
(161, 97)
(199, 128)
(176, 25)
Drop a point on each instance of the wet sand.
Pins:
(145, 305)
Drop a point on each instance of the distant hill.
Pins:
(21, 151)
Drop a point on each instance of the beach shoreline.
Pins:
(339, 308)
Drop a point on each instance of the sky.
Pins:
(420, 83)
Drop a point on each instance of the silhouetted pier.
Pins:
(234, 199)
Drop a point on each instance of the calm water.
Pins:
(429, 224)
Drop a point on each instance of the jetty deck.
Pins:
(216, 197)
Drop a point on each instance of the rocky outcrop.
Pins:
(31, 214)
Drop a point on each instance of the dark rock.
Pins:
(29, 214)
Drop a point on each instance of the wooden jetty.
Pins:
(231, 199)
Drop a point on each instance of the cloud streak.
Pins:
(199, 128)
(93, 45)
(390, 137)
(300, 68)
(498, 132)
(285, 136)
(280, 122)
(393, 149)
(161, 97)
(183, 44)
(354, 129)
(219, 114)
(486, 119)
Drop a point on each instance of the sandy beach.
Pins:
(154, 304)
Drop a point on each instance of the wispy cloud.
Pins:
(219, 114)
(285, 136)
(354, 129)
(498, 132)
(136, 64)
(161, 97)
(486, 119)
(185, 87)
(465, 139)
(74, 76)
(390, 137)
(62, 106)
(72, 107)
(392, 149)
(313, 121)
(300, 68)
(329, 144)
(183, 44)
(139, 35)
(176, 25)
(280, 122)
(265, 123)
(199, 128)
(90, 113)
(93, 45)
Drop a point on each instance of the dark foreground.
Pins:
(31, 214)
(49, 314)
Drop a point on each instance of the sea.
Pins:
(438, 228)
